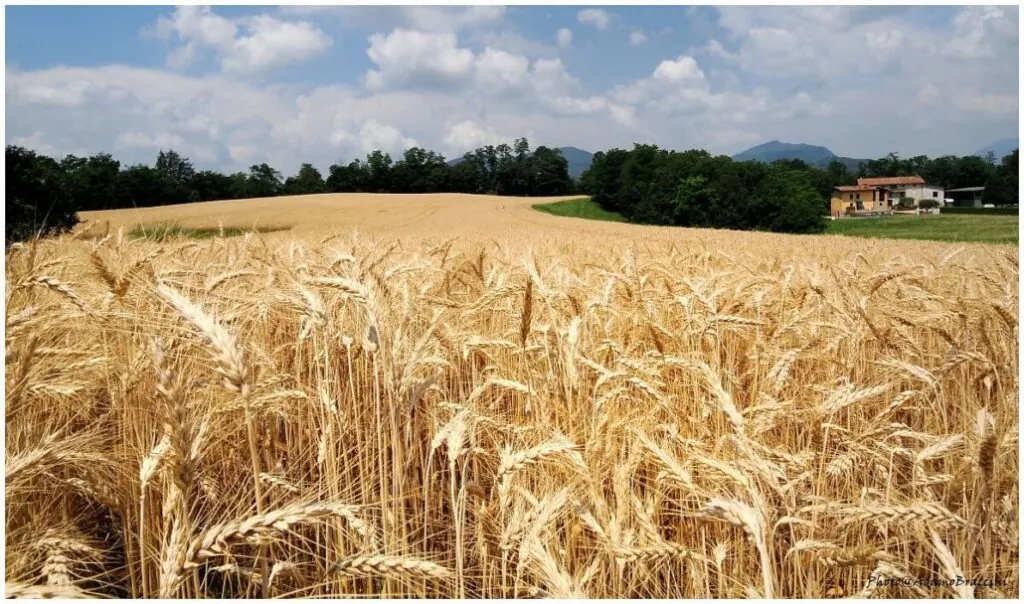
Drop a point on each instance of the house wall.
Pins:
(919, 192)
(871, 201)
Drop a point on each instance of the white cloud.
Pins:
(680, 71)
(802, 105)
(40, 144)
(268, 43)
(467, 135)
(599, 18)
(69, 93)
(510, 41)
(418, 17)
(986, 105)
(564, 37)
(979, 31)
(812, 76)
(445, 18)
(637, 37)
(162, 140)
(498, 70)
(375, 135)
(412, 57)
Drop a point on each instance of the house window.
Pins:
(935, 193)
(858, 195)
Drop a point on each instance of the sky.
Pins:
(234, 86)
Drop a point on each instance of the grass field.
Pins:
(450, 396)
(581, 207)
(954, 228)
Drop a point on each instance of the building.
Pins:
(966, 196)
(860, 198)
(913, 187)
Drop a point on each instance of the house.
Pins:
(913, 187)
(860, 198)
(966, 196)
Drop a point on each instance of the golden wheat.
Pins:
(629, 412)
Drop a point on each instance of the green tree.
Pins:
(1003, 187)
(379, 171)
(177, 173)
(549, 172)
(790, 204)
(33, 201)
(142, 186)
(971, 171)
(308, 181)
(212, 186)
(263, 181)
(693, 203)
(91, 183)
(347, 178)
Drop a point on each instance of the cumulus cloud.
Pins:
(791, 74)
(408, 57)
(468, 134)
(597, 17)
(979, 31)
(637, 37)
(418, 17)
(564, 37)
(267, 42)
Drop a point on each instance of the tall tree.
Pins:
(33, 200)
(263, 181)
(379, 171)
(1003, 187)
(348, 178)
(307, 182)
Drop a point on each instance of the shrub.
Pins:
(927, 204)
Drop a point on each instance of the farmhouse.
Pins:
(913, 187)
(860, 198)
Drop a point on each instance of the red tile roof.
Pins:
(891, 180)
(854, 188)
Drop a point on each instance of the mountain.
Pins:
(1001, 148)
(814, 155)
(579, 160)
(775, 150)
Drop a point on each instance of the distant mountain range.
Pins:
(579, 160)
(820, 156)
(1000, 149)
(812, 154)
(815, 155)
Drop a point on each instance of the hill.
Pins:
(1000, 149)
(814, 155)
(579, 160)
(775, 150)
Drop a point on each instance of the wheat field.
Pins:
(480, 400)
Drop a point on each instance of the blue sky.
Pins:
(232, 86)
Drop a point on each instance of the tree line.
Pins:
(646, 184)
(694, 188)
(44, 194)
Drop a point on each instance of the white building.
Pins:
(913, 187)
